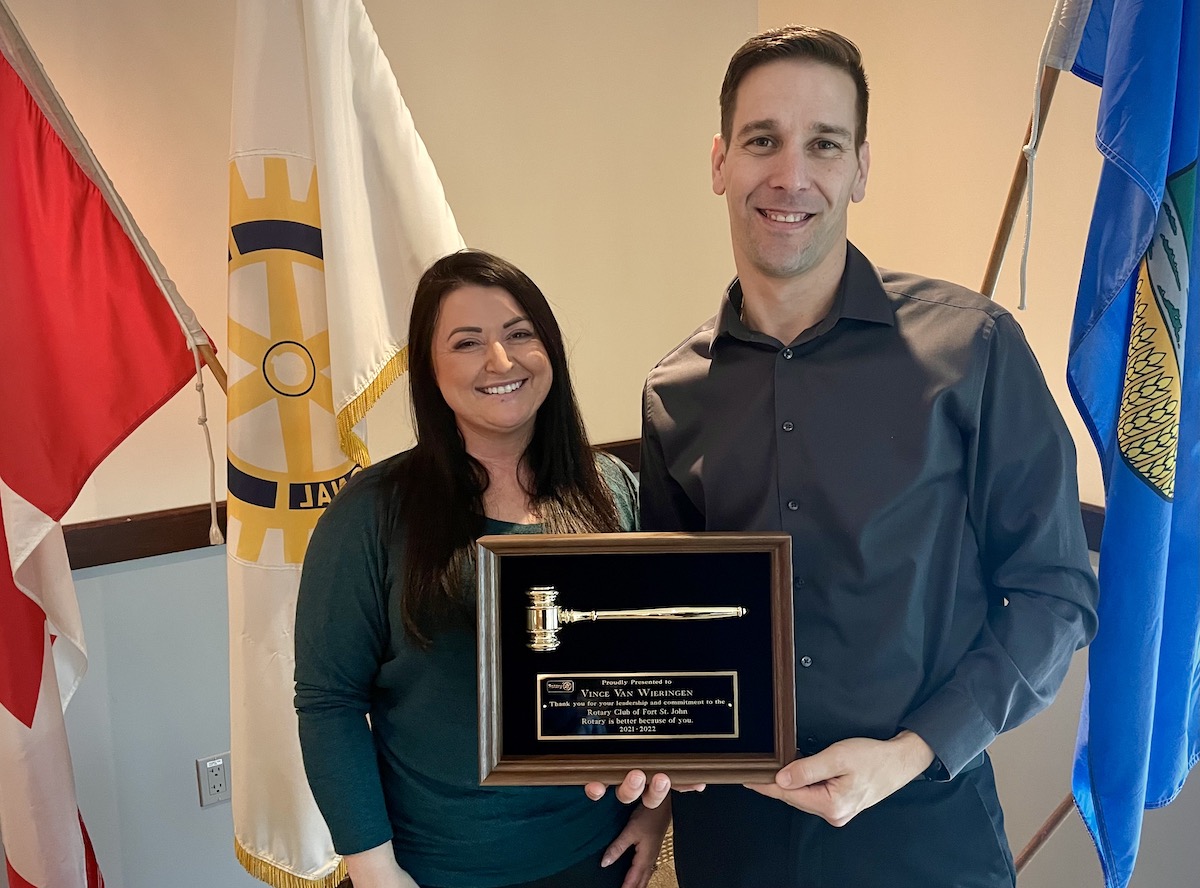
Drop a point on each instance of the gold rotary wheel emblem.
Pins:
(285, 464)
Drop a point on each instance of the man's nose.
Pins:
(498, 360)
(791, 170)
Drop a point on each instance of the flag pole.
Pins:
(1045, 831)
(1012, 203)
(218, 372)
(991, 274)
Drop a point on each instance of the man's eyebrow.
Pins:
(768, 124)
(757, 126)
(831, 129)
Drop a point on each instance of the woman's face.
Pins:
(490, 366)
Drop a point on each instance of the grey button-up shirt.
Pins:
(909, 445)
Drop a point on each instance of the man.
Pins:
(900, 430)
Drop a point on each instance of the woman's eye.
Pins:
(463, 344)
(521, 334)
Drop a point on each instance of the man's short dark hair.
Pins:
(801, 43)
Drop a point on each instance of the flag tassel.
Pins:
(354, 412)
(265, 871)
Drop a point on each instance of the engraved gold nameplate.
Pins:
(543, 617)
(637, 706)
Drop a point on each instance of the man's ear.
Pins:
(864, 166)
(718, 164)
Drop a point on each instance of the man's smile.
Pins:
(777, 216)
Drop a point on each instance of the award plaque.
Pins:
(668, 652)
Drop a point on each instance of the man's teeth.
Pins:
(503, 389)
(787, 217)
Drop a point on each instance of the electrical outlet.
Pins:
(212, 776)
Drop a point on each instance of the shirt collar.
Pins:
(860, 296)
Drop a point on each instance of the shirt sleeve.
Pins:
(664, 504)
(1023, 504)
(341, 638)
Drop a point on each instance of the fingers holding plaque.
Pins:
(599, 653)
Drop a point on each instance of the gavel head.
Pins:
(541, 618)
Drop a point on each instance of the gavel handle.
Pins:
(653, 613)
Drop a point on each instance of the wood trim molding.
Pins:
(113, 540)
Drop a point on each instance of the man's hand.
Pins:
(644, 832)
(635, 787)
(848, 777)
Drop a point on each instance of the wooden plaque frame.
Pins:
(505, 660)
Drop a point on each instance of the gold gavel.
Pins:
(543, 618)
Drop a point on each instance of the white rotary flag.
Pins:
(335, 209)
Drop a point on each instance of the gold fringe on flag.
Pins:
(352, 414)
(280, 878)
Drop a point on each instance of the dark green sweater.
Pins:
(414, 778)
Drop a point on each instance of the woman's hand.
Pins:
(644, 832)
(377, 868)
(635, 786)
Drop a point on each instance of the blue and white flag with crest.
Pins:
(1134, 371)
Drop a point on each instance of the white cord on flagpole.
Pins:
(1030, 152)
(215, 537)
(1058, 51)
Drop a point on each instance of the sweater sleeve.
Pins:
(341, 638)
(624, 486)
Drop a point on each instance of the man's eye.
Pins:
(761, 142)
(827, 145)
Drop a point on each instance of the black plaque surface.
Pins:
(603, 701)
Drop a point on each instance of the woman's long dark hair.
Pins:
(436, 494)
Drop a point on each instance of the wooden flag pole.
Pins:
(1045, 831)
(1016, 188)
(991, 274)
(218, 372)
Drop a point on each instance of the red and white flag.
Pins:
(90, 345)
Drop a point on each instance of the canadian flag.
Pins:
(90, 345)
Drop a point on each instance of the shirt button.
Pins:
(798, 583)
(787, 354)
(806, 662)
(793, 505)
(787, 426)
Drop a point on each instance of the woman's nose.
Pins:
(498, 360)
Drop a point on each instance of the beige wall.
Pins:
(571, 137)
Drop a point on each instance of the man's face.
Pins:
(790, 168)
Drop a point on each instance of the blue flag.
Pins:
(1139, 392)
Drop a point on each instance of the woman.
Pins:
(385, 618)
